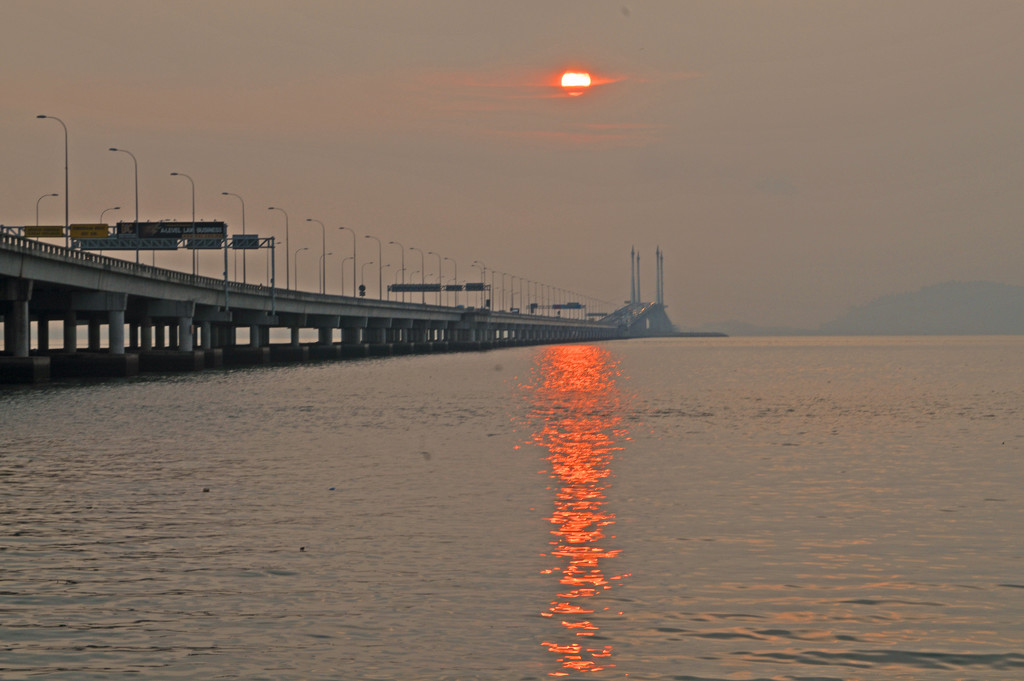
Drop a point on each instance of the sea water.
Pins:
(741, 509)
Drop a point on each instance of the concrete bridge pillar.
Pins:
(377, 330)
(18, 329)
(158, 336)
(94, 333)
(352, 329)
(324, 336)
(115, 332)
(205, 342)
(295, 337)
(185, 334)
(43, 333)
(17, 319)
(70, 331)
(146, 327)
(419, 333)
(254, 336)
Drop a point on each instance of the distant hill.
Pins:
(737, 328)
(953, 308)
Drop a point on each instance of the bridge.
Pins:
(164, 320)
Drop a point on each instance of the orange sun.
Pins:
(575, 82)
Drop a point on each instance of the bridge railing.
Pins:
(13, 242)
(20, 243)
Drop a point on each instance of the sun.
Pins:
(575, 82)
(574, 79)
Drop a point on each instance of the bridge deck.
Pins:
(41, 283)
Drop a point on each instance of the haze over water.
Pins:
(795, 509)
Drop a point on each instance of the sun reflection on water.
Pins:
(576, 409)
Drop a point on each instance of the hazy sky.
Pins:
(791, 158)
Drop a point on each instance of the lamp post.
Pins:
(439, 285)
(402, 248)
(242, 201)
(67, 233)
(287, 246)
(37, 205)
(362, 275)
(297, 251)
(353, 260)
(343, 260)
(380, 277)
(323, 249)
(135, 164)
(483, 277)
(455, 278)
(323, 269)
(107, 210)
(380, 267)
(191, 182)
(423, 280)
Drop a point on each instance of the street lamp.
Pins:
(323, 269)
(297, 251)
(423, 271)
(402, 248)
(67, 232)
(323, 249)
(242, 201)
(362, 275)
(380, 260)
(399, 272)
(353, 261)
(37, 205)
(107, 210)
(500, 302)
(439, 284)
(287, 246)
(191, 182)
(380, 268)
(135, 163)
(483, 277)
(455, 278)
(343, 261)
